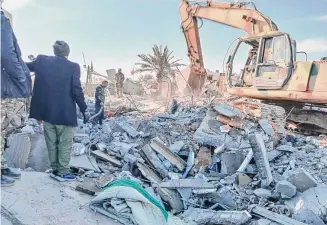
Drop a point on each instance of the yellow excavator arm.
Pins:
(237, 15)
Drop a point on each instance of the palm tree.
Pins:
(162, 63)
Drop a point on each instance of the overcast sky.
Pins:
(112, 32)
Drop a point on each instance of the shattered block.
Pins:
(263, 193)
(227, 110)
(261, 159)
(267, 127)
(266, 222)
(301, 179)
(212, 217)
(286, 188)
(308, 217)
(230, 162)
(203, 158)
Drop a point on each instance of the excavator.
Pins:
(271, 73)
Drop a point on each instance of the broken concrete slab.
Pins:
(123, 124)
(212, 217)
(245, 162)
(173, 198)
(84, 162)
(187, 183)
(189, 163)
(153, 160)
(263, 193)
(266, 222)
(243, 179)
(203, 158)
(225, 197)
(308, 217)
(160, 148)
(279, 218)
(177, 146)
(105, 157)
(227, 110)
(261, 159)
(301, 179)
(267, 127)
(88, 187)
(273, 154)
(286, 148)
(48, 200)
(313, 199)
(230, 162)
(286, 188)
(149, 173)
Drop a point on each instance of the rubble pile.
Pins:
(223, 164)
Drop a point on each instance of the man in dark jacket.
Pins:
(57, 89)
(15, 87)
(100, 96)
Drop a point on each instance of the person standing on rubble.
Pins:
(119, 81)
(16, 86)
(100, 97)
(57, 89)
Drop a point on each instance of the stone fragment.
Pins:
(212, 217)
(243, 179)
(261, 159)
(263, 193)
(308, 217)
(266, 222)
(267, 127)
(301, 179)
(203, 158)
(230, 162)
(177, 146)
(286, 188)
(227, 110)
(286, 148)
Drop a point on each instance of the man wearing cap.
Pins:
(57, 89)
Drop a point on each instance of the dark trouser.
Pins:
(101, 116)
(59, 140)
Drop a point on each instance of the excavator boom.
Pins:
(236, 15)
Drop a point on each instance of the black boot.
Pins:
(7, 181)
(12, 173)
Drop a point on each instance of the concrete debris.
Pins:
(187, 183)
(261, 159)
(243, 179)
(160, 148)
(220, 158)
(284, 220)
(19, 149)
(203, 158)
(207, 216)
(189, 163)
(227, 110)
(286, 188)
(177, 146)
(301, 179)
(263, 193)
(230, 162)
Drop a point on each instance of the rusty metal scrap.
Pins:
(233, 122)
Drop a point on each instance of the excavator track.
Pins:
(306, 119)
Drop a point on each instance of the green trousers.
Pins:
(59, 140)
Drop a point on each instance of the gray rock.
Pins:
(230, 162)
(266, 222)
(263, 193)
(301, 179)
(227, 110)
(177, 146)
(286, 148)
(308, 217)
(273, 155)
(267, 127)
(286, 188)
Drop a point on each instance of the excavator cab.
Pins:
(268, 64)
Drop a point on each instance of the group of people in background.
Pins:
(56, 92)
